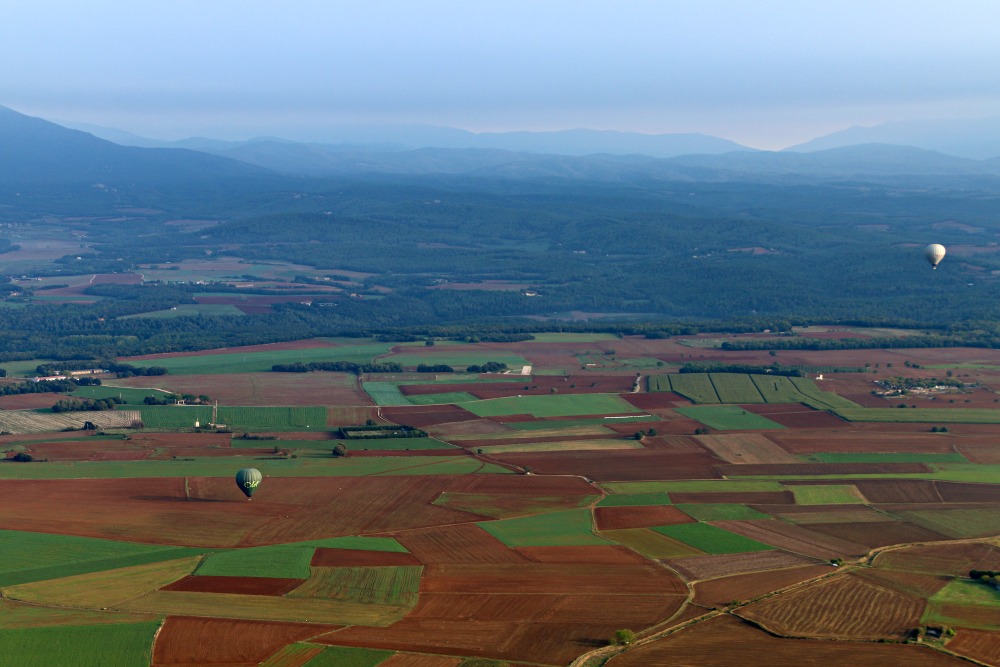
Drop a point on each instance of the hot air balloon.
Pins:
(248, 479)
(934, 254)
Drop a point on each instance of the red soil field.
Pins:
(841, 607)
(325, 557)
(29, 401)
(980, 453)
(583, 554)
(796, 539)
(185, 641)
(555, 578)
(954, 492)
(822, 469)
(720, 592)
(799, 442)
(729, 642)
(472, 443)
(629, 464)
(421, 415)
(320, 388)
(237, 585)
(530, 385)
(463, 543)
(981, 645)
(798, 416)
(287, 510)
(138, 446)
(306, 344)
(809, 514)
(921, 585)
(878, 534)
(613, 518)
(745, 497)
(971, 615)
(941, 559)
(712, 567)
(898, 491)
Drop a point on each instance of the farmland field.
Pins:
(539, 516)
(99, 645)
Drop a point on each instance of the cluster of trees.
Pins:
(989, 577)
(434, 368)
(488, 367)
(379, 431)
(41, 387)
(712, 367)
(337, 366)
(85, 404)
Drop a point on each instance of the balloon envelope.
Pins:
(248, 479)
(934, 254)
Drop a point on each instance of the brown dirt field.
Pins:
(941, 559)
(898, 491)
(798, 416)
(745, 497)
(712, 567)
(841, 607)
(185, 641)
(982, 645)
(729, 642)
(811, 442)
(955, 492)
(293, 509)
(615, 555)
(656, 400)
(808, 514)
(326, 557)
(614, 518)
(878, 534)
(744, 448)
(29, 401)
(972, 615)
(796, 539)
(426, 415)
(652, 544)
(523, 437)
(823, 469)
(237, 585)
(320, 388)
(554, 578)
(138, 446)
(466, 543)
(921, 585)
(980, 453)
(625, 465)
(306, 344)
(529, 485)
(722, 591)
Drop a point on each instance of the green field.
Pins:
(634, 500)
(777, 389)
(251, 418)
(575, 423)
(825, 494)
(323, 466)
(735, 388)
(358, 444)
(457, 359)
(887, 457)
(99, 645)
(281, 560)
(721, 512)
(385, 393)
(695, 386)
(445, 398)
(553, 405)
(558, 529)
(710, 539)
(921, 415)
(256, 362)
(728, 417)
(965, 591)
(31, 557)
(191, 310)
(130, 395)
(342, 656)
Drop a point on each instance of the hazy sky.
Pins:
(767, 73)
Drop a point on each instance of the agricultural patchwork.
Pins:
(415, 511)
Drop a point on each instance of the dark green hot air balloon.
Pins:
(248, 479)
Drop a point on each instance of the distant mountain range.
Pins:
(35, 153)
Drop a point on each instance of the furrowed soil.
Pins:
(185, 641)
(729, 642)
(720, 592)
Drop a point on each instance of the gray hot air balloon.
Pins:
(248, 479)
(934, 254)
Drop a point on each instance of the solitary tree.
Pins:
(340, 449)
(623, 637)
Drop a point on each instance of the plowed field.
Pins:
(186, 641)
(722, 591)
(877, 534)
(235, 585)
(981, 645)
(623, 465)
(794, 538)
(466, 543)
(613, 518)
(711, 567)
(953, 559)
(324, 557)
(842, 607)
(729, 642)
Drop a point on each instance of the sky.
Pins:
(765, 73)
